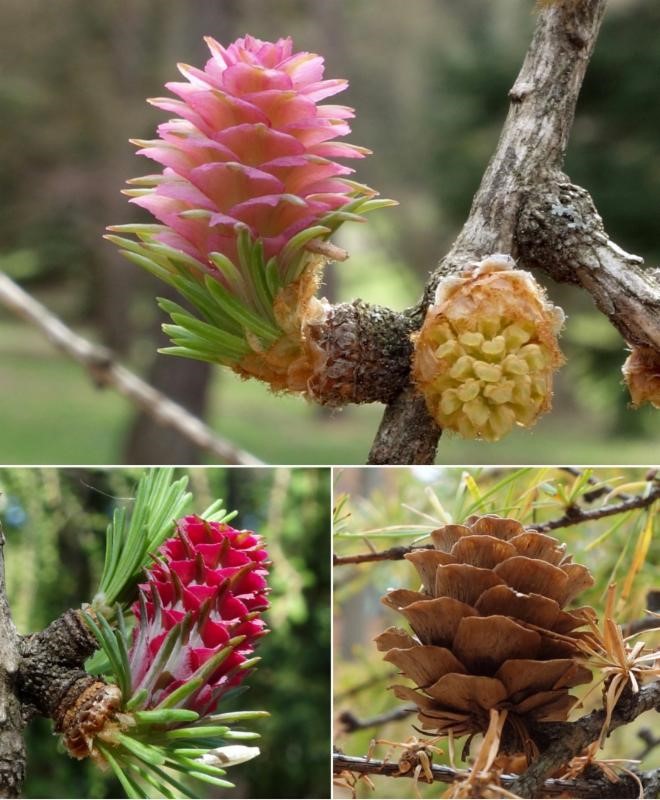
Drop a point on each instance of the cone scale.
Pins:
(209, 582)
(488, 629)
(252, 185)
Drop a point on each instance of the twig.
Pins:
(650, 740)
(361, 687)
(391, 554)
(646, 623)
(564, 740)
(532, 146)
(595, 494)
(553, 787)
(573, 516)
(104, 371)
(560, 231)
(351, 723)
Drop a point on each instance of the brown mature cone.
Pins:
(488, 627)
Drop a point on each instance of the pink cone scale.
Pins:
(202, 601)
(252, 183)
(250, 145)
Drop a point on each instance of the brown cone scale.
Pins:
(489, 628)
(84, 712)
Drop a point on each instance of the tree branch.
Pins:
(100, 364)
(351, 723)
(52, 681)
(595, 494)
(12, 746)
(564, 740)
(532, 145)
(52, 662)
(560, 232)
(574, 516)
(595, 786)
(351, 691)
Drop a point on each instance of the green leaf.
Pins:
(167, 778)
(241, 736)
(210, 333)
(235, 716)
(132, 789)
(150, 265)
(138, 228)
(105, 635)
(202, 776)
(372, 205)
(178, 256)
(251, 257)
(197, 294)
(230, 272)
(237, 311)
(181, 337)
(216, 513)
(273, 277)
(197, 732)
(165, 716)
(145, 752)
(186, 764)
(137, 700)
(197, 355)
(158, 501)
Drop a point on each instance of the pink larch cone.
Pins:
(210, 581)
(249, 192)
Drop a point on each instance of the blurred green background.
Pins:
(55, 522)
(429, 80)
(382, 508)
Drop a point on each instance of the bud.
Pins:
(229, 756)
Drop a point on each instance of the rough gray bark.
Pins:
(12, 746)
(533, 141)
(367, 353)
(560, 232)
(42, 673)
(563, 740)
(51, 665)
(525, 207)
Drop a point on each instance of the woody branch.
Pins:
(526, 206)
(574, 515)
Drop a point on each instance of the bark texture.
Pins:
(367, 352)
(532, 146)
(561, 741)
(12, 746)
(560, 232)
(43, 673)
(51, 665)
(525, 207)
